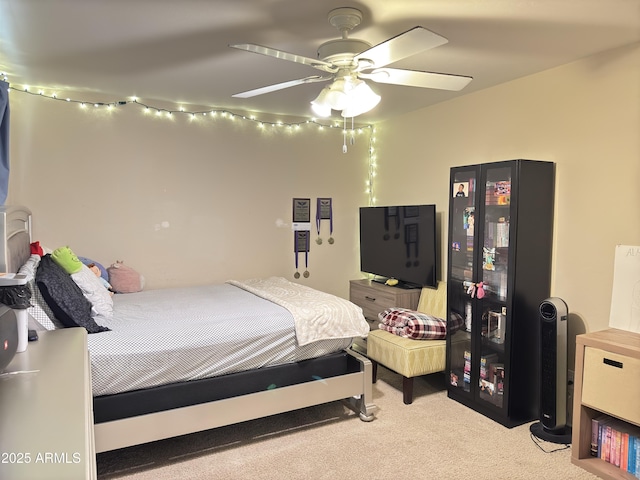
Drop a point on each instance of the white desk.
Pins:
(46, 416)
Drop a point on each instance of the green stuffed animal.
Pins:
(67, 260)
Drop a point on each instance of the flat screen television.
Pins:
(399, 242)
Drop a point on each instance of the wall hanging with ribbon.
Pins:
(301, 232)
(324, 211)
(301, 244)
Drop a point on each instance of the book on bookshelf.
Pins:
(595, 430)
(624, 451)
(634, 457)
(616, 442)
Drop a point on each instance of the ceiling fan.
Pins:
(349, 62)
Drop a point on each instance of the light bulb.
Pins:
(320, 109)
(320, 105)
(361, 100)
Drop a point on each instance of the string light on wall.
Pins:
(159, 111)
(278, 125)
(372, 167)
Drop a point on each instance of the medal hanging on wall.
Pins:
(301, 232)
(301, 244)
(324, 211)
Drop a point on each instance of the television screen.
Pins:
(399, 242)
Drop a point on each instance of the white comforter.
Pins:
(317, 315)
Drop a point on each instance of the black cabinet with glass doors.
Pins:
(499, 271)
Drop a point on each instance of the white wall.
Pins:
(184, 202)
(584, 116)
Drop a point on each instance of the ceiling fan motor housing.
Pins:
(341, 52)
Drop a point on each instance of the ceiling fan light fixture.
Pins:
(322, 111)
(361, 100)
(337, 96)
(350, 95)
(320, 105)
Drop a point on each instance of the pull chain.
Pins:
(344, 135)
(353, 132)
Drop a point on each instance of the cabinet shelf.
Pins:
(500, 238)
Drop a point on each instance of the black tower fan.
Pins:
(552, 426)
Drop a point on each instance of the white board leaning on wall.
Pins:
(625, 295)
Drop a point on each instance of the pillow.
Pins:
(124, 279)
(65, 298)
(66, 259)
(417, 325)
(103, 271)
(94, 291)
(39, 310)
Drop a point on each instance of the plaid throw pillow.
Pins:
(417, 325)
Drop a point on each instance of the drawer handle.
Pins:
(371, 299)
(613, 363)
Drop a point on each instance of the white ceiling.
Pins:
(177, 50)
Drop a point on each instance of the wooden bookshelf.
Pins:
(604, 389)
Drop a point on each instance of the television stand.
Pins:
(400, 284)
(375, 297)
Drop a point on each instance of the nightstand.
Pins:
(375, 297)
(46, 411)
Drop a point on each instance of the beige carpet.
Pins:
(433, 438)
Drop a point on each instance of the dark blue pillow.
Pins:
(64, 297)
(103, 270)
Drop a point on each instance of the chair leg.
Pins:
(374, 371)
(407, 390)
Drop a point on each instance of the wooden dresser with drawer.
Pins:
(375, 297)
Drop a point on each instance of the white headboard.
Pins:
(15, 237)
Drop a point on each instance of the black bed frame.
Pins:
(108, 408)
(133, 418)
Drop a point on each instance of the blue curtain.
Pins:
(4, 141)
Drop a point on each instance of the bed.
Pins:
(182, 360)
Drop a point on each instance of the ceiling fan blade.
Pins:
(409, 43)
(291, 57)
(395, 76)
(280, 86)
